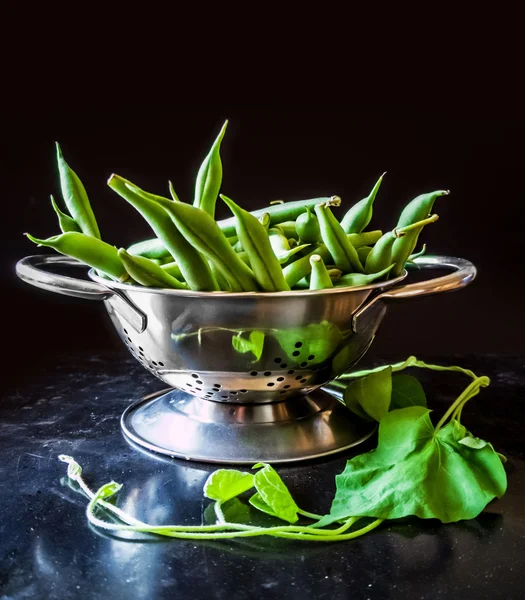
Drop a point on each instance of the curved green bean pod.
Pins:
(254, 239)
(358, 279)
(89, 250)
(419, 208)
(147, 273)
(366, 238)
(209, 178)
(344, 254)
(193, 266)
(319, 278)
(76, 198)
(65, 222)
(360, 214)
(203, 233)
(173, 269)
(307, 226)
(363, 252)
(404, 246)
(381, 255)
(279, 213)
(152, 248)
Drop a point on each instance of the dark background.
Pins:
(473, 149)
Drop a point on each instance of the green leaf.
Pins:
(225, 484)
(406, 391)
(254, 344)
(473, 442)
(108, 490)
(257, 501)
(416, 471)
(274, 493)
(369, 396)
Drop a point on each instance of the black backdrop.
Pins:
(278, 154)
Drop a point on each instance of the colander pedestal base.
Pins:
(300, 428)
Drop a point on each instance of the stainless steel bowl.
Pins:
(242, 350)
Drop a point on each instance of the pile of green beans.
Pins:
(284, 246)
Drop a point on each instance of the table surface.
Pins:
(72, 405)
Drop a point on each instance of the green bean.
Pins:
(147, 273)
(89, 250)
(366, 238)
(307, 226)
(264, 220)
(233, 240)
(173, 269)
(419, 208)
(76, 198)
(335, 274)
(358, 279)
(304, 283)
(173, 194)
(223, 284)
(288, 228)
(203, 233)
(65, 222)
(279, 213)
(300, 268)
(360, 214)
(404, 246)
(209, 178)
(193, 266)
(254, 239)
(320, 278)
(281, 246)
(244, 257)
(152, 248)
(363, 252)
(341, 249)
(381, 255)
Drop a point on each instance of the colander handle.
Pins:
(28, 270)
(464, 273)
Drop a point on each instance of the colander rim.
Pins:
(126, 287)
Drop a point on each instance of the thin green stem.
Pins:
(309, 515)
(239, 530)
(455, 409)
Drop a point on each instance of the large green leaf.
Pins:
(224, 484)
(406, 391)
(369, 396)
(274, 497)
(418, 471)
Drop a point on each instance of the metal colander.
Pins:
(245, 349)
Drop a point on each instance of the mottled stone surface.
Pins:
(72, 405)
